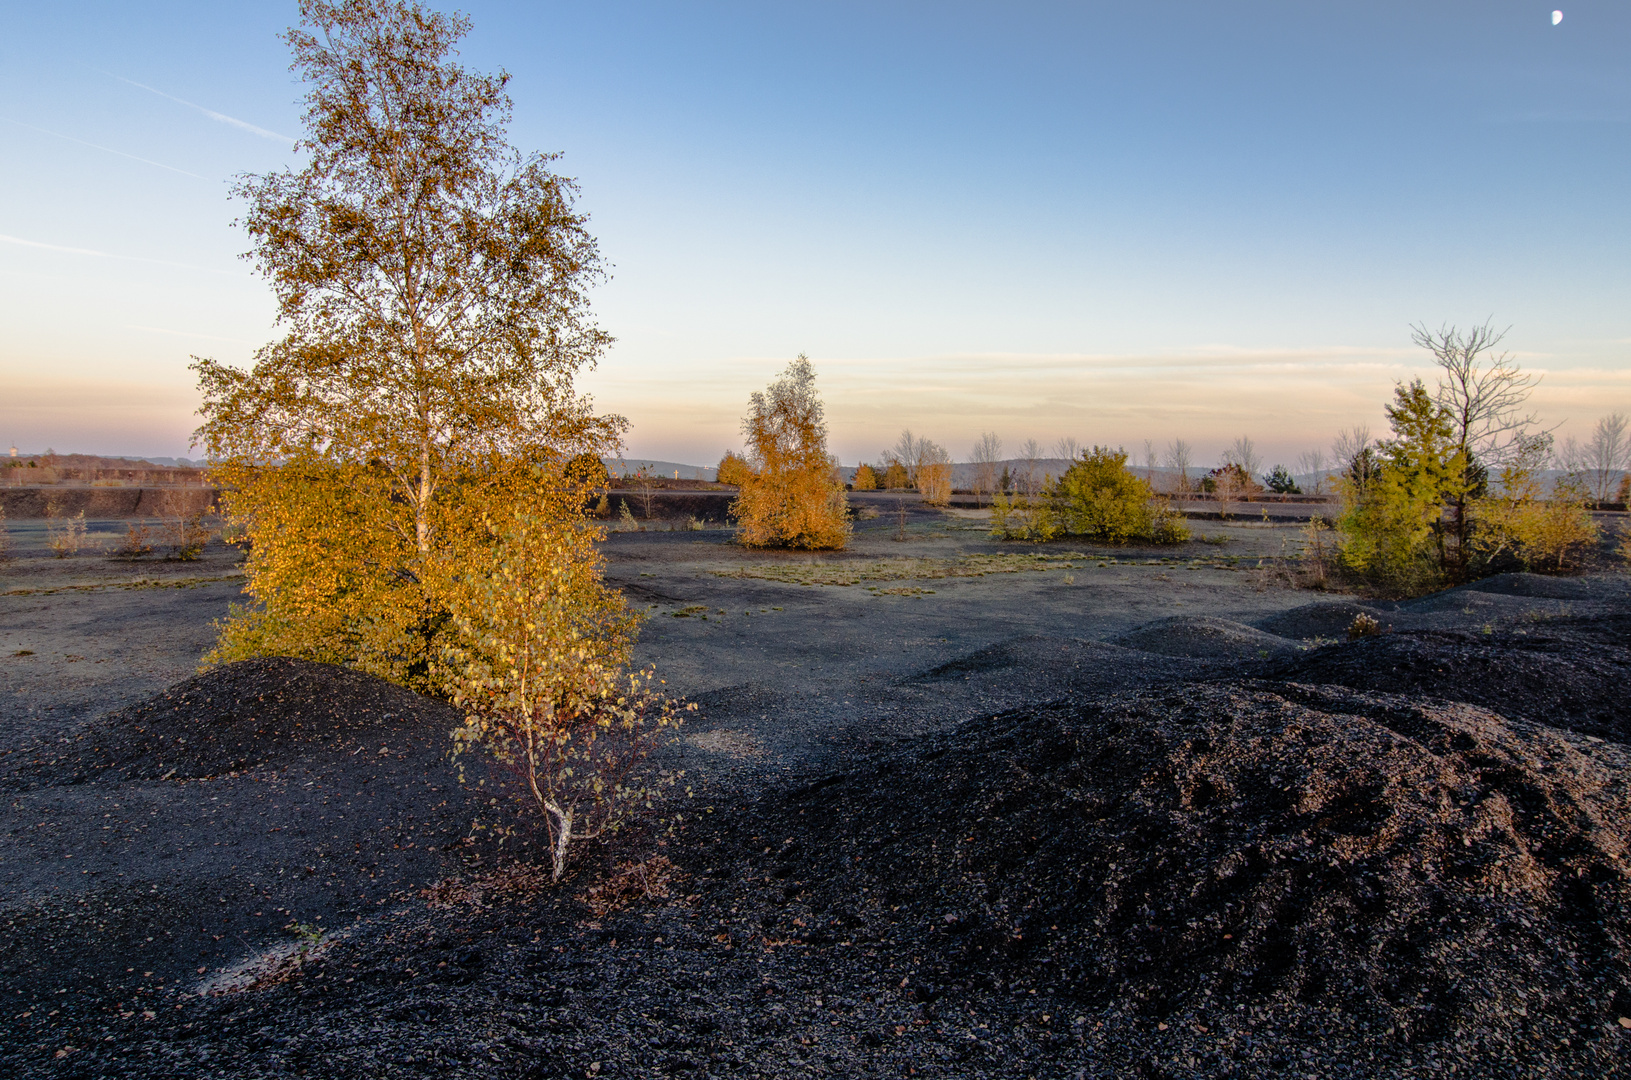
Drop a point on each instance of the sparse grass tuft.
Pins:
(1363, 626)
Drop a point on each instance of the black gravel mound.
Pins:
(256, 714)
(1205, 637)
(1563, 682)
(1543, 586)
(1329, 619)
(1228, 881)
(1426, 869)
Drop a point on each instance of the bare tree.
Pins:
(1029, 455)
(1602, 461)
(985, 455)
(1180, 455)
(1349, 444)
(1067, 448)
(1311, 463)
(908, 450)
(1243, 452)
(1149, 462)
(1485, 393)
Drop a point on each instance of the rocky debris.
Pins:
(1538, 675)
(1241, 879)
(1203, 636)
(256, 714)
(1594, 587)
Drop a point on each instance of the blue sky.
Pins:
(1115, 222)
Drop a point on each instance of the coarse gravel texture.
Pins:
(1233, 879)
(955, 831)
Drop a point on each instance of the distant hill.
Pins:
(674, 470)
(107, 461)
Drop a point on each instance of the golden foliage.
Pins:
(1545, 533)
(432, 284)
(534, 658)
(793, 499)
(733, 470)
(333, 567)
(934, 482)
(866, 479)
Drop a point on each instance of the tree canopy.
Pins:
(432, 289)
(431, 280)
(793, 497)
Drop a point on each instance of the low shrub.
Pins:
(138, 542)
(1098, 498)
(64, 535)
(1363, 626)
(185, 536)
(1545, 534)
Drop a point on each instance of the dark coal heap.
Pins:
(256, 714)
(1559, 679)
(1432, 870)
(1221, 877)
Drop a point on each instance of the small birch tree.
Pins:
(535, 659)
(794, 498)
(934, 473)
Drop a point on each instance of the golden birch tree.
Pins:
(431, 284)
(793, 497)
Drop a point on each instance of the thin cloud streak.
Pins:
(187, 334)
(104, 149)
(20, 242)
(211, 113)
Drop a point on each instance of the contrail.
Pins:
(104, 149)
(211, 113)
(20, 242)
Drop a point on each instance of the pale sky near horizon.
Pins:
(1114, 222)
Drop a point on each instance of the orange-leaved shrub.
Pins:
(794, 498)
(733, 470)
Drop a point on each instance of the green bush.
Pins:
(1098, 498)
(1390, 534)
(1282, 482)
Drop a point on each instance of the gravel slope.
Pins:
(1220, 879)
